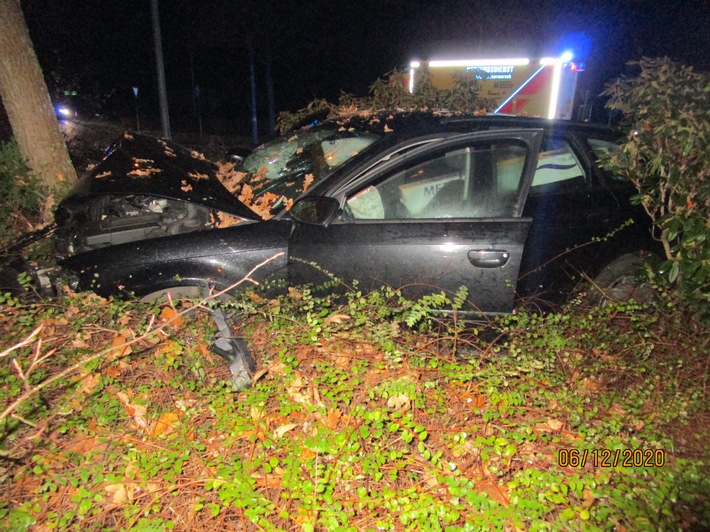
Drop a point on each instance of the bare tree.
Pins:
(26, 100)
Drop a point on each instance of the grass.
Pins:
(361, 418)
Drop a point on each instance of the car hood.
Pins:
(138, 164)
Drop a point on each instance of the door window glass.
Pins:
(603, 148)
(557, 164)
(475, 181)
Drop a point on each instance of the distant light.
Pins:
(415, 64)
(64, 111)
(566, 57)
(555, 89)
(479, 62)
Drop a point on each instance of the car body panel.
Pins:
(421, 258)
(214, 258)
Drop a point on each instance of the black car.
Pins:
(506, 206)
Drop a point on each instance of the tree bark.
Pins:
(26, 100)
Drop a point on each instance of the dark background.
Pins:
(318, 48)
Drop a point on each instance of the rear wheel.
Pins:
(623, 280)
(231, 348)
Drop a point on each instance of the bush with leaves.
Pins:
(21, 194)
(666, 110)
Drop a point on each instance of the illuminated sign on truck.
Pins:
(532, 87)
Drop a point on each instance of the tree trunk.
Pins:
(26, 100)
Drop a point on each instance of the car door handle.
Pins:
(488, 258)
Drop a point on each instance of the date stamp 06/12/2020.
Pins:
(611, 457)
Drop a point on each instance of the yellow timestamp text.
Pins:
(611, 457)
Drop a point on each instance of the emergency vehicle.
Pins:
(519, 86)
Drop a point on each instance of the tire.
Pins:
(620, 280)
(232, 349)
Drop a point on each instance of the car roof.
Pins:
(406, 124)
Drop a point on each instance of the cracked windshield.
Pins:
(278, 172)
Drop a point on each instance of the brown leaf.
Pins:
(283, 429)
(120, 348)
(118, 493)
(167, 424)
(169, 314)
(293, 293)
(336, 318)
(307, 182)
(138, 412)
(495, 491)
(246, 195)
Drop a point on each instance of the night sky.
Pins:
(319, 48)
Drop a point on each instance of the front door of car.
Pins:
(443, 216)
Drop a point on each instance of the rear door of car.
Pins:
(573, 213)
(441, 216)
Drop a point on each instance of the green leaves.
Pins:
(667, 121)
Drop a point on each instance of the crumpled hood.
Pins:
(137, 164)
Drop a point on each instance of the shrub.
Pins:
(666, 110)
(21, 194)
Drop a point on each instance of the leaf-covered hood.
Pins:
(137, 164)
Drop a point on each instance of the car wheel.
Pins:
(620, 280)
(231, 348)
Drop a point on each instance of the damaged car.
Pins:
(507, 207)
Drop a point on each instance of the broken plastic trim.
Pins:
(233, 350)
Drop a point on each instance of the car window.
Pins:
(275, 174)
(557, 164)
(476, 181)
(603, 148)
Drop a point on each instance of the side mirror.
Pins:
(316, 210)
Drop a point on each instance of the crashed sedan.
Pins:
(503, 206)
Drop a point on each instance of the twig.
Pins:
(22, 343)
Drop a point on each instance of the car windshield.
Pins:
(278, 172)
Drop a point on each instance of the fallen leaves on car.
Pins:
(307, 182)
(229, 177)
(222, 220)
(167, 149)
(185, 186)
(143, 168)
(196, 175)
(197, 155)
(102, 175)
(246, 195)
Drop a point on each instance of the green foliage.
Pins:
(666, 110)
(359, 418)
(21, 194)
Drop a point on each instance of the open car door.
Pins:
(439, 217)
